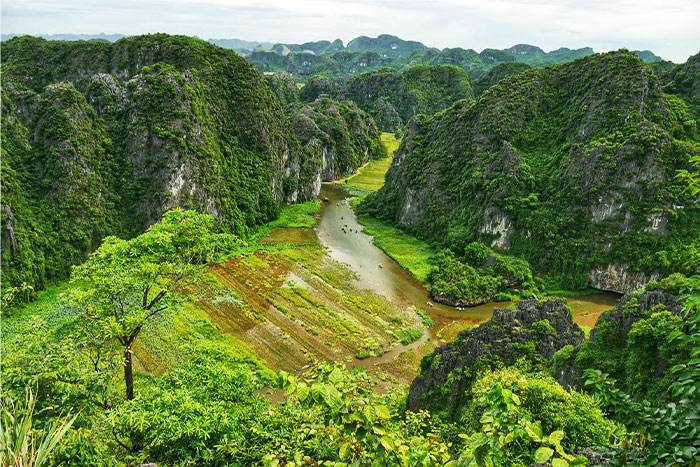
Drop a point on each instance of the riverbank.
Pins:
(370, 176)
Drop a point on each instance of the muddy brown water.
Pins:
(339, 231)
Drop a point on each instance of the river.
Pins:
(342, 235)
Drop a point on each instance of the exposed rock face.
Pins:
(618, 278)
(572, 168)
(502, 337)
(497, 223)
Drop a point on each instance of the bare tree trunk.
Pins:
(128, 373)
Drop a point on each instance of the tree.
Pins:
(125, 283)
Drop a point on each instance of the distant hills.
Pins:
(341, 62)
(362, 54)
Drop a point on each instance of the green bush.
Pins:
(544, 400)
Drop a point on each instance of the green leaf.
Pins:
(543, 454)
(387, 443)
(382, 411)
(534, 431)
(559, 462)
(556, 437)
(344, 451)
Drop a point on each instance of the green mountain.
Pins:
(496, 74)
(570, 167)
(393, 97)
(101, 138)
(364, 54)
(684, 80)
(386, 46)
(337, 136)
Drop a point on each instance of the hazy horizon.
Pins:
(669, 29)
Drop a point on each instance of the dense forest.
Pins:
(180, 286)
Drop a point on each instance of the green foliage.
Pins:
(392, 97)
(471, 279)
(337, 137)
(542, 183)
(21, 444)
(496, 74)
(125, 283)
(476, 253)
(203, 412)
(410, 335)
(545, 401)
(509, 437)
(665, 431)
(365, 424)
(114, 134)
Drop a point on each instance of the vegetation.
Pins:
(105, 142)
(21, 444)
(371, 177)
(365, 54)
(548, 185)
(240, 342)
(480, 276)
(393, 97)
(337, 137)
(126, 283)
(410, 252)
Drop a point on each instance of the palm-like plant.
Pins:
(20, 444)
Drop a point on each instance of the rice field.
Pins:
(371, 176)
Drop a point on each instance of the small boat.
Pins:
(430, 304)
(381, 267)
(325, 199)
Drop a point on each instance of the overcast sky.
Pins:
(670, 28)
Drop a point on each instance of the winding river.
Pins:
(342, 235)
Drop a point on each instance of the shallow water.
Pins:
(342, 235)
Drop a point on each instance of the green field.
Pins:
(411, 253)
(371, 177)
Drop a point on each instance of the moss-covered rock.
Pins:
(337, 136)
(511, 334)
(572, 167)
(393, 97)
(102, 138)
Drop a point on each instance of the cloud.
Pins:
(669, 28)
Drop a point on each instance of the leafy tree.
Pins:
(125, 283)
(10, 293)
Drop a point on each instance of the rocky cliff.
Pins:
(446, 373)
(571, 167)
(337, 136)
(102, 138)
(630, 341)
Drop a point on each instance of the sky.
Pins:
(670, 28)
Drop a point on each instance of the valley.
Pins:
(381, 254)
